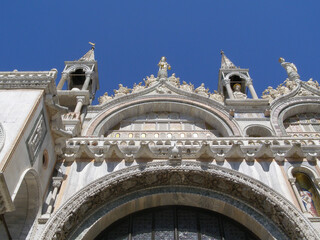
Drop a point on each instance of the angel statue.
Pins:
(291, 69)
(163, 68)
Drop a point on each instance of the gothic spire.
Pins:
(89, 56)
(225, 62)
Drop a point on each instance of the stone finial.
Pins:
(225, 62)
(89, 56)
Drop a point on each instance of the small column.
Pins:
(226, 83)
(80, 100)
(63, 79)
(296, 192)
(56, 185)
(87, 81)
(251, 88)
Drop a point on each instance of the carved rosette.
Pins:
(215, 178)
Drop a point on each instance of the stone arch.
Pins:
(241, 75)
(258, 131)
(75, 67)
(290, 108)
(142, 186)
(27, 205)
(112, 116)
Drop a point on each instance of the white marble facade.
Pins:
(69, 168)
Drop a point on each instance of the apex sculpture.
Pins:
(163, 68)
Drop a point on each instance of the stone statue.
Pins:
(187, 87)
(104, 98)
(121, 91)
(217, 96)
(150, 81)
(174, 80)
(291, 69)
(201, 90)
(237, 93)
(163, 68)
(138, 87)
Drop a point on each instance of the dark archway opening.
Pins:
(176, 223)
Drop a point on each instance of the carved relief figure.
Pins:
(138, 87)
(237, 93)
(104, 98)
(163, 68)
(121, 91)
(217, 96)
(291, 69)
(187, 87)
(150, 81)
(201, 90)
(174, 80)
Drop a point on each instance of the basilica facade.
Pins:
(163, 159)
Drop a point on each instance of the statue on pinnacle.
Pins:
(163, 68)
(291, 69)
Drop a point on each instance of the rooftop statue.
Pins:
(150, 81)
(237, 93)
(291, 69)
(216, 96)
(163, 68)
(174, 80)
(187, 87)
(138, 87)
(202, 90)
(104, 98)
(121, 91)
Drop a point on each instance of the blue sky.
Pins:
(131, 36)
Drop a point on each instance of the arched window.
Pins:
(163, 125)
(306, 190)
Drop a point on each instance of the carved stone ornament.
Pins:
(104, 98)
(217, 96)
(162, 174)
(2, 136)
(150, 81)
(187, 87)
(201, 90)
(174, 80)
(283, 89)
(36, 137)
(121, 91)
(137, 87)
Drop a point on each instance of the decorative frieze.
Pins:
(220, 149)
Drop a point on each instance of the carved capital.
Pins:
(56, 182)
(248, 81)
(226, 81)
(88, 74)
(292, 180)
